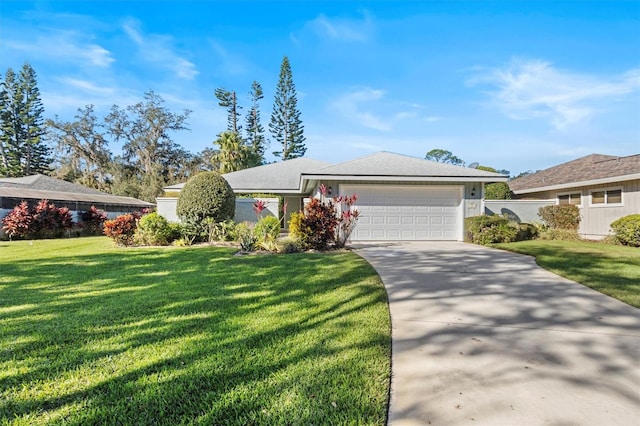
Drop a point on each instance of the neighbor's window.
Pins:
(574, 198)
(607, 196)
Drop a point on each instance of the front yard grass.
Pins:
(92, 334)
(612, 270)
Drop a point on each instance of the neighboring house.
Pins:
(77, 198)
(604, 187)
(399, 197)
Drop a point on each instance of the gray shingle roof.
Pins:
(282, 176)
(45, 187)
(286, 176)
(46, 183)
(584, 169)
(389, 164)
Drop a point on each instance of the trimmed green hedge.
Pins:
(562, 216)
(205, 195)
(627, 230)
(489, 229)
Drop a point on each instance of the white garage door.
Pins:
(393, 212)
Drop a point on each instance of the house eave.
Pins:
(385, 178)
(612, 179)
(288, 191)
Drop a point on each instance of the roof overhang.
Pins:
(484, 179)
(39, 194)
(306, 181)
(591, 182)
(268, 191)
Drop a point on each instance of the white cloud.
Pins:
(536, 89)
(341, 29)
(351, 106)
(369, 108)
(157, 49)
(66, 46)
(86, 86)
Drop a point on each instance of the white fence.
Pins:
(522, 211)
(244, 208)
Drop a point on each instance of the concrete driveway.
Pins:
(486, 337)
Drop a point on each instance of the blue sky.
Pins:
(510, 84)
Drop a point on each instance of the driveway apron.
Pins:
(486, 337)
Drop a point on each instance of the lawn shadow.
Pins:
(209, 312)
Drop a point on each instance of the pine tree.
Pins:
(230, 101)
(23, 150)
(255, 132)
(4, 118)
(35, 153)
(10, 126)
(286, 126)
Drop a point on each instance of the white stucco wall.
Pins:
(244, 208)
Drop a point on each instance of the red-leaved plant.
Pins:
(49, 220)
(121, 229)
(43, 220)
(93, 220)
(326, 222)
(319, 222)
(259, 206)
(18, 222)
(348, 218)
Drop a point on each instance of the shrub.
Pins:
(627, 230)
(526, 231)
(318, 226)
(266, 232)
(175, 231)
(224, 231)
(246, 236)
(490, 229)
(18, 222)
(43, 220)
(268, 227)
(92, 220)
(206, 194)
(348, 218)
(49, 220)
(562, 216)
(611, 240)
(497, 191)
(191, 231)
(121, 229)
(153, 230)
(289, 245)
(295, 226)
(560, 235)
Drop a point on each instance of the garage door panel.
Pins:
(422, 220)
(408, 220)
(394, 212)
(391, 220)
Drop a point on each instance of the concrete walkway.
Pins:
(486, 337)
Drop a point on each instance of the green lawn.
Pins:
(612, 270)
(92, 334)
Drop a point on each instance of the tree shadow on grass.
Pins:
(209, 312)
